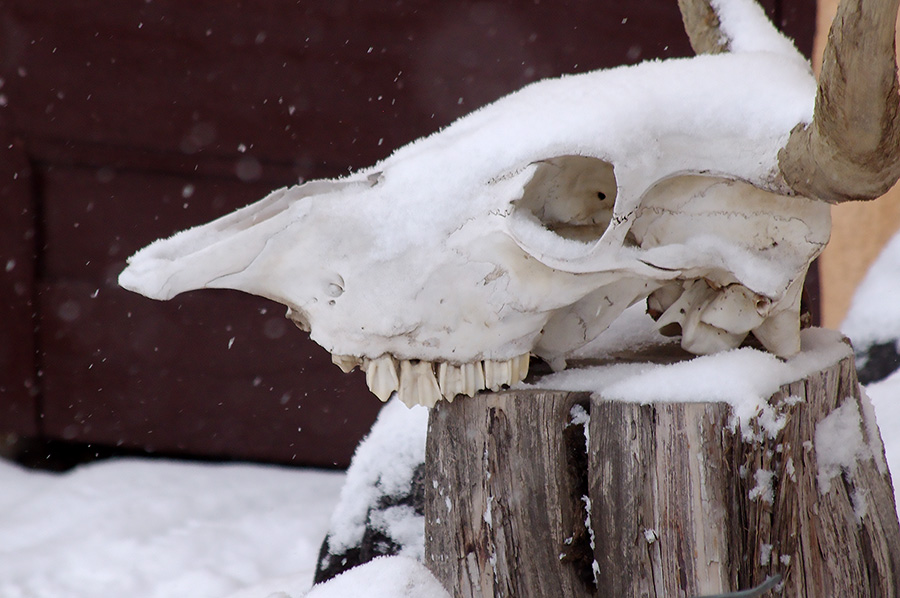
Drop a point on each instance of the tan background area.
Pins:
(860, 229)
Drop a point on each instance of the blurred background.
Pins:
(122, 122)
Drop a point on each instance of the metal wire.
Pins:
(759, 590)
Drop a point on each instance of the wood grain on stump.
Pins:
(551, 493)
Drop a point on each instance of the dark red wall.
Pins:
(125, 121)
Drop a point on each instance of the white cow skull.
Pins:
(529, 225)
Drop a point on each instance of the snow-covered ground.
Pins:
(161, 529)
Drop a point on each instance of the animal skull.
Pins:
(528, 226)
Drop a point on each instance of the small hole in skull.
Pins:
(601, 195)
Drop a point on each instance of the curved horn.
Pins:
(851, 150)
(703, 27)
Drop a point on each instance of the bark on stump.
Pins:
(659, 500)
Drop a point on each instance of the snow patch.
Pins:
(384, 577)
(839, 444)
(859, 499)
(488, 512)
(764, 489)
(382, 465)
(749, 30)
(404, 526)
(874, 314)
(595, 566)
(580, 417)
(744, 378)
(790, 469)
(765, 554)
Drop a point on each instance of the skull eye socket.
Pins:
(572, 196)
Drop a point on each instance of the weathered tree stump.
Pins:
(658, 500)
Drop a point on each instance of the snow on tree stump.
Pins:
(551, 493)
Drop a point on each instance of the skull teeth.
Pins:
(425, 383)
(382, 377)
(466, 379)
(417, 384)
(346, 362)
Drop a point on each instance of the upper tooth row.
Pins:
(416, 383)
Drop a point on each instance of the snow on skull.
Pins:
(529, 225)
